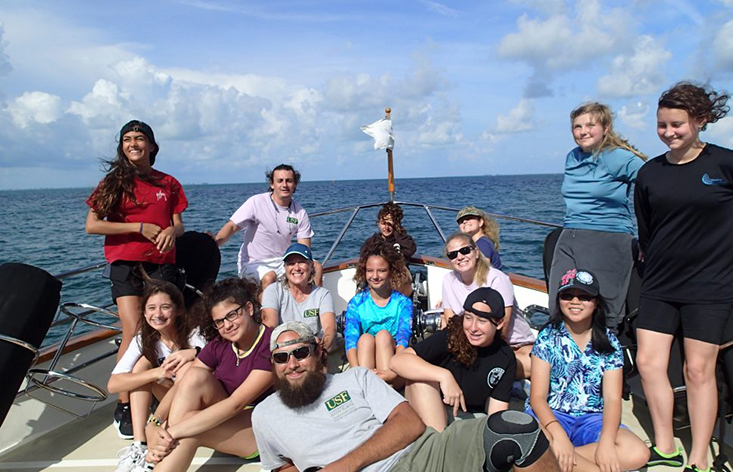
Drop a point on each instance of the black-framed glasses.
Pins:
(583, 297)
(231, 316)
(465, 250)
(282, 357)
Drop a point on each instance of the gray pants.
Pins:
(606, 255)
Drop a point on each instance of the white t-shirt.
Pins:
(269, 228)
(319, 301)
(455, 293)
(135, 351)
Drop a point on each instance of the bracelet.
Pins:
(198, 350)
(141, 228)
(553, 421)
(153, 419)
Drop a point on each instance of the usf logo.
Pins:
(292, 220)
(311, 313)
(338, 400)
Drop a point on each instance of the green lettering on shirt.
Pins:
(311, 313)
(338, 400)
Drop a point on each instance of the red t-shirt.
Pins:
(155, 204)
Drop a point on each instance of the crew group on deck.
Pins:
(256, 352)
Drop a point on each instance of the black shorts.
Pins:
(126, 277)
(702, 322)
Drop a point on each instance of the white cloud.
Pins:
(638, 74)
(38, 107)
(721, 132)
(723, 46)
(5, 66)
(440, 9)
(634, 116)
(520, 118)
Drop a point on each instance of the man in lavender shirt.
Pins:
(270, 220)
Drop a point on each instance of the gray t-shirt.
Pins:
(352, 407)
(319, 301)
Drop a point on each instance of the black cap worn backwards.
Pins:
(145, 129)
(488, 296)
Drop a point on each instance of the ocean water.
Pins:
(45, 228)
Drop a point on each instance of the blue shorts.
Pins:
(582, 430)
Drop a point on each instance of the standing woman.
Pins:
(138, 210)
(684, 202)
(598, 230)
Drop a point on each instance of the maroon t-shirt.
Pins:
(219, 355)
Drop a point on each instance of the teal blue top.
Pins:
(596, 189)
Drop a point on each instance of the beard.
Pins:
(298, 396)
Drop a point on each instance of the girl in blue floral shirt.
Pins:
(577, 368)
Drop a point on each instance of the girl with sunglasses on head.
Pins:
(212, 405)
(378, 318)
(577, 376)
(466, 367)
(684, 201)
(160, 354)
(472, 270)
(138, 210)
(484, 230)
(598, 230)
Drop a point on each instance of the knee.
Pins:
(365, 341)
(699, 371)
(513, 438)
(384, 338)
(650, 364)
(268, 278)
(195, 377)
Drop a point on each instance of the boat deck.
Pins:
(92, 445)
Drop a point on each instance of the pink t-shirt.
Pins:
(455, 293)
(269, 228)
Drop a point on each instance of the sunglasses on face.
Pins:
(583, 297)
(282, 357)
(231, 316)
(465, 250)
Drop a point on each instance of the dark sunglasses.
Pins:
(301, 353)
(583, 297)
(231, 316)
(465, 250)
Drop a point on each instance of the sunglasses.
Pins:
(465, 250)
(231, 316)
(583, 297)
(301, 353)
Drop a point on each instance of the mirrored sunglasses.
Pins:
(282, 357)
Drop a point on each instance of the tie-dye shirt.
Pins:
(575, 376)
(364, 316)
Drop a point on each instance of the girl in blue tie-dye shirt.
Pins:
(577, 368)
(378, 318)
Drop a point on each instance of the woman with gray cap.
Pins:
(484, 230)
(297, 298)
(138, 210)
(466, 367)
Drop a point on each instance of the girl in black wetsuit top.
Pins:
(684, 202)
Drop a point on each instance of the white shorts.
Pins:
(257, 269)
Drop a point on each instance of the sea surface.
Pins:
(45, 228)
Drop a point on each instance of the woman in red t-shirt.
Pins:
(138, 210)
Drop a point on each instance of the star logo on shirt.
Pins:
(162, 195)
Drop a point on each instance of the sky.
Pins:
(232, 88)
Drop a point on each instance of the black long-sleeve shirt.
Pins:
(401, 241)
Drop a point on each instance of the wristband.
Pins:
(153, 419)
(198, 350)
(141, 228)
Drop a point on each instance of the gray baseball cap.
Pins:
(305, 335)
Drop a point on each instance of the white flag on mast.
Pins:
(381, 131)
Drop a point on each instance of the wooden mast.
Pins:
(390, 165)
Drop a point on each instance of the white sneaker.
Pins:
(130, 457)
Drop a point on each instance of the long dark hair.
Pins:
(119, 181)
(149, 336)
(236, 290)
(599, 336)
(458, 344)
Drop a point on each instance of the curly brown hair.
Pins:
(397, 268)
(395, 211)
(149, 336)
(236, 290)
(700, 101)
(458, 344)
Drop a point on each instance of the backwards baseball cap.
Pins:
(298, 248)
(469, 211)
(488, 296)
(145, 129)
(579, 279)
(305, 335)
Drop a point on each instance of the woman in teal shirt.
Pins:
(598, 229)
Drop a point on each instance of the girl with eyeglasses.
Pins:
(161, 353)
(138, 210)
(471, 270)
(378, 318)
(684, 202)
(466, 367)
(577, 376)
(212, 405)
